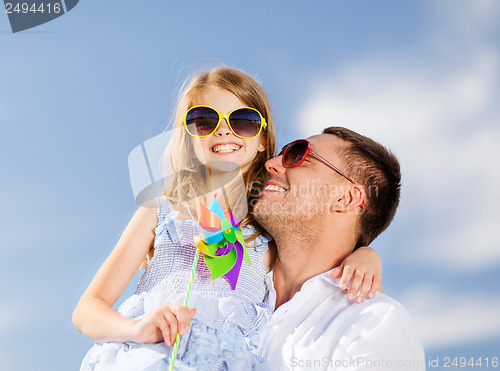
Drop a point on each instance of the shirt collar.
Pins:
(322, 277)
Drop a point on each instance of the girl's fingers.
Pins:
(336, 273)
(376, 286)
(172, 323)
(184, 316)
(346, 277)
(357, 279)
(161, 323)
(365, 286)
(372, 292)
(170, 318)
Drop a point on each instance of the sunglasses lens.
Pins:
(245, 122)
(295, 152)
(201, 121)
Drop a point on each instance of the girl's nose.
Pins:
(223, 128)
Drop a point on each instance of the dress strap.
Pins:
(163, 207)
(166, 221)
(261, 242)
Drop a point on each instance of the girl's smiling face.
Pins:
(223, 145)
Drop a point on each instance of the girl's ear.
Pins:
(262, 144)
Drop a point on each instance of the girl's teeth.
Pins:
(225, 148)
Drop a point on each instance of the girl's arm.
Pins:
(364, 269)
(94, 315)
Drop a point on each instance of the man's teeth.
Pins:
(271, 187)
(225, 148)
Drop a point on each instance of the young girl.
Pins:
(227, 119)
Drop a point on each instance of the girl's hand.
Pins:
(163, 324)
(363, 268)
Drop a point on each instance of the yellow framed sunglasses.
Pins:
(244, 122)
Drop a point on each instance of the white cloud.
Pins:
(439, 114)
(468, 19)
(444, 320)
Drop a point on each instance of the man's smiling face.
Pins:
(295, 196)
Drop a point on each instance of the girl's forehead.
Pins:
(213, 96)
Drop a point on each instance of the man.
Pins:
(325, 197)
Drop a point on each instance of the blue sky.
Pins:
(79, 93)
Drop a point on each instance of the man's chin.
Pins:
(261, 211)
(266, 203)
(257, 208)
(269, 212)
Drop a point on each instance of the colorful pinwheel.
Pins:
(220, 240)
(223, 248)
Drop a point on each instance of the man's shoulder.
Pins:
(385, 309)
(319, 323)
(377, 323)
(383, 301)
(322, 301)
(381, 305)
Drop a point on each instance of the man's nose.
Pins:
(275, 165)
(223, 128)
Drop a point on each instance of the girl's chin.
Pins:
(223, 166)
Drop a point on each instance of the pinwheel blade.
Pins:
(210, 250)
(222, 244)
(234, 221)
(228, 230)
(239, 237)
(234, 272)
(216, 208)
(207, 219)
(223, 250)
(220, 265)
(211, 237)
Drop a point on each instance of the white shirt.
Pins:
(319, 329)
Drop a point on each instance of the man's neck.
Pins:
(287, 281)
(296, 262)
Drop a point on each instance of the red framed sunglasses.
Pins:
(295, 153)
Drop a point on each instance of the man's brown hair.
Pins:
(377, 169)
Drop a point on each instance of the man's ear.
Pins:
(351, 199)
